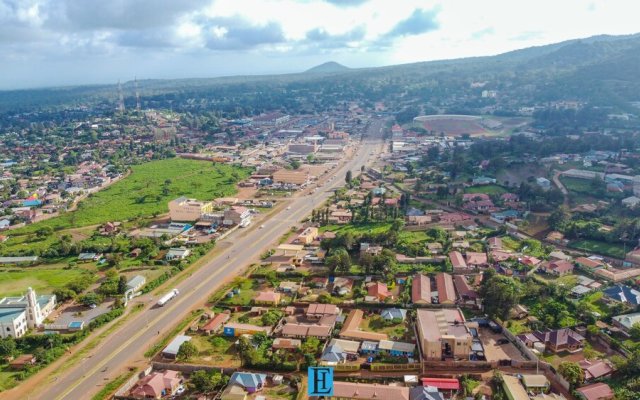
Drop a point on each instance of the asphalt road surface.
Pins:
(127, 345)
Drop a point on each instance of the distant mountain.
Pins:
(600, 70)
(327, 68)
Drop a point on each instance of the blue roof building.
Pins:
(333, 354)
(623, 294)
(393, 313)
(248, 381)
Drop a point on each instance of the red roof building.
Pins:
(379, 290)
(442, 383)
(421, 289)
(457, 261)
(446, 290)
(597, 391)
(215, 323)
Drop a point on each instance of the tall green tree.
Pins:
(499, 294)
(571, 372)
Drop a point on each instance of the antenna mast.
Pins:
(120, 99)
(137, 95)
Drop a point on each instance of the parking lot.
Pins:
(494, 351)
(82, 313)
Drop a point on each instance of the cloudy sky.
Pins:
(66, 42)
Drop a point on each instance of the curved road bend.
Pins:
(127, 345)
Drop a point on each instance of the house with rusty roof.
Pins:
(421, 289)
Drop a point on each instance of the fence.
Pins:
(55, 327)
(189, 368)
(346, 367)
(122, 390)
(396, 367)
(534, 361)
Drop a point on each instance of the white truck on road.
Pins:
(165, 299)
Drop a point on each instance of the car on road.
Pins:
(502, 341)
(289, 208)
(261, 226)
(92, 306)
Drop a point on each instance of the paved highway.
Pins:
(126, 346)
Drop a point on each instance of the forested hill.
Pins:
(601, 70)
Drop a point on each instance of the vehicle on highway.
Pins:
(165, 299)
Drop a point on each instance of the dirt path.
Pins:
(559, 185)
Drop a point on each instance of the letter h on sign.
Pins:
(320, 381)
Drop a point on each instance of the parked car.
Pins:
(502, 341)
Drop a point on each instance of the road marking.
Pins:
(175, 304)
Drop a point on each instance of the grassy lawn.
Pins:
(376, 324)
(142, 193)
(577, 185)
(605, 249)
(595, 303)
(7, 378)
(510, 243)
(215, 350)
(248, 290)
(517, 327)
(280, 392)
(488, 189)
(360, 229)
(414, 237)
(42, 279)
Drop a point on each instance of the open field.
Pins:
(456, 125)
(487, 189)
(453, 125)
(15, 281)
(577, 185)
(361, 229)
(147, 191)
(602, 248)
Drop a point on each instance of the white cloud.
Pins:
(53, 34)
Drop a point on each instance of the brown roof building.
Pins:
(421, 289)
(367, 391)
(446, 290)
(351, 329)
(156, 385)
(457, 260)
(597, 391)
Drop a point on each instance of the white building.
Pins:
(626, 321)
(184, 209)
(19, 314)
(179, 253)
(631, 201)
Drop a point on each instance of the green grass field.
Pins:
(602, 248)
(577, 185)
(487, 189)
(360, 229)
(15, 281)
(142, 193)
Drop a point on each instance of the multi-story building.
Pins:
(184, 209)
(443, 334)
(19, 314)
